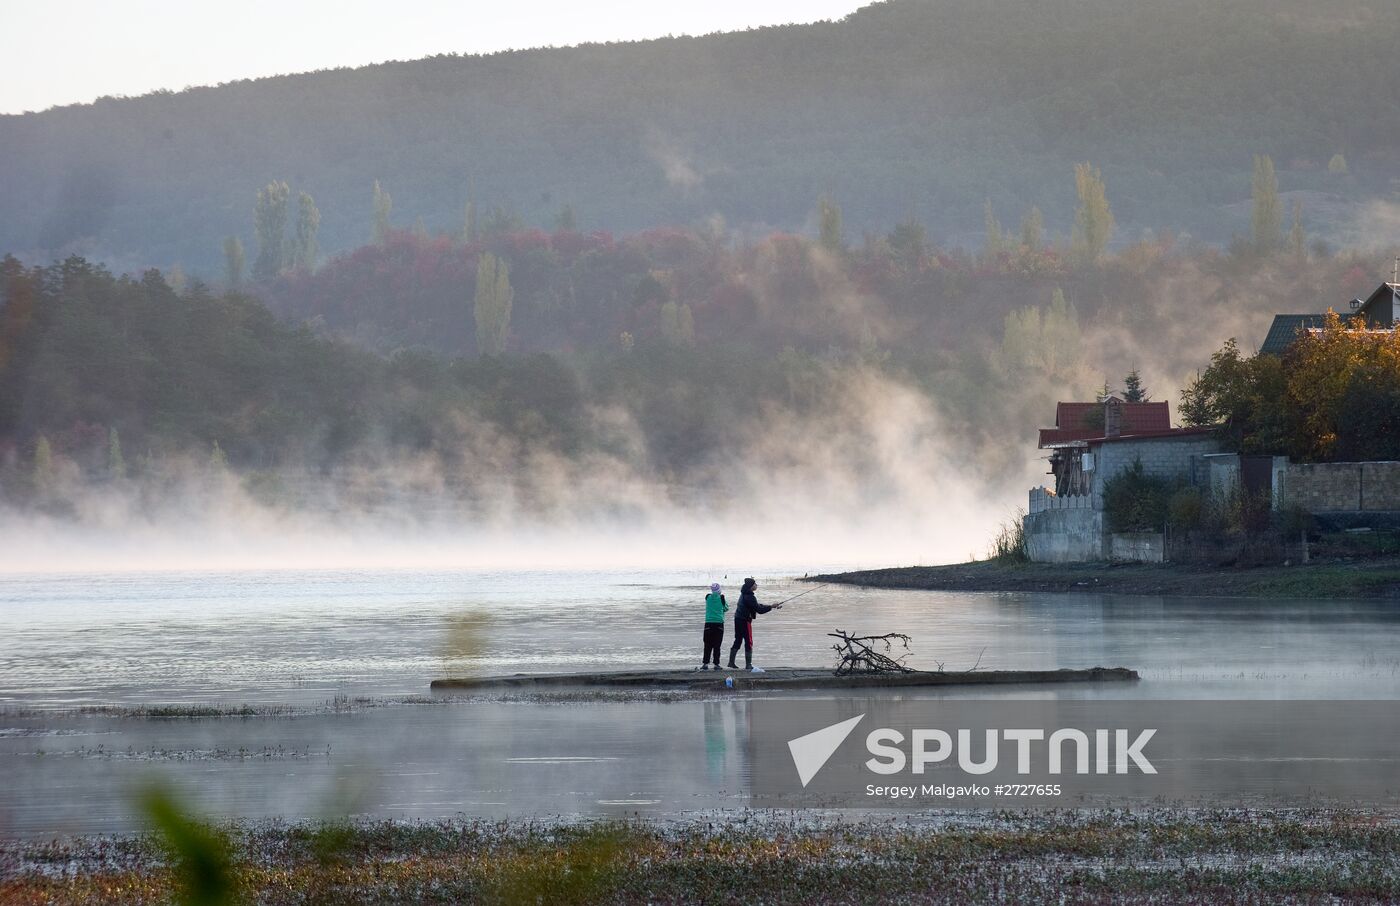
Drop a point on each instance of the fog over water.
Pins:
(320, 639)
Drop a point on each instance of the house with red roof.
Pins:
(1089, 444)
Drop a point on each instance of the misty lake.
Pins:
(313, 639)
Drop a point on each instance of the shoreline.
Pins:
(1148, 856)
(1370, 578)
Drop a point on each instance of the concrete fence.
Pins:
(1043, 499)
(1342, 487)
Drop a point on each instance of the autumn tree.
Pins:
(270, 223)
(1344, 384)
(1093, 219)
(494, 299)
(1267, 218)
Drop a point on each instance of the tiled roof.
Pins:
(1075, 421)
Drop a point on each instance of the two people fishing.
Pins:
(716, 605)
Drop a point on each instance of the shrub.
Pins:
(1134, 501)
(1009, 545)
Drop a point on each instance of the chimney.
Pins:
(1112, 417)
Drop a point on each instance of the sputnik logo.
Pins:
(811, 752)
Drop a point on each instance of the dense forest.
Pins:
(912, 109)
(531, 370)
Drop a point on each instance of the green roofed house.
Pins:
(1377, 309)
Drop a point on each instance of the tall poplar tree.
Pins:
(270, 221)
(494, 298)
(1093, 220)
(305, 248)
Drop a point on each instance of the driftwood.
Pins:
(859, 654)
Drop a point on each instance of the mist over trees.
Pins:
(653, 351)
(919, 110)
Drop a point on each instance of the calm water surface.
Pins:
(307, 638)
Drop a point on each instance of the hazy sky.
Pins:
(68, 51)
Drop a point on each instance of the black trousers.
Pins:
(714, 638)
(743, 635)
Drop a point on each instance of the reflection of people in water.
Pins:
(716, 739)
(715, 609)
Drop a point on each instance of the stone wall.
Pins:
(1139, 547)
(1163, 457)
(1065, 535)
(1342, 487)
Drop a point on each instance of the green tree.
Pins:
(1093, 220)
(1033, 229)
(1244, 398)
(1267, 218)
(1297, 239)
(305, 248)
(566, 222)
(270, 222)
(1047, 340)
(233, 263)
(1337, 166)
(1133, 391)
(829, 230)
(116, 463)
(992, 242)
(494, 299)
(383, 208)
(908, 243)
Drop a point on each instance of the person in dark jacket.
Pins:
(743, 624)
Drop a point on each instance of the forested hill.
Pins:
(904, 109)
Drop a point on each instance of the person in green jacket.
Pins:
(715, 608)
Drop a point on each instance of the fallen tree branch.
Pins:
(859, 654)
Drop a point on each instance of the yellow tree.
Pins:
(1093, 220)
(494, 299)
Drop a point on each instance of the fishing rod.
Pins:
(807, 592)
